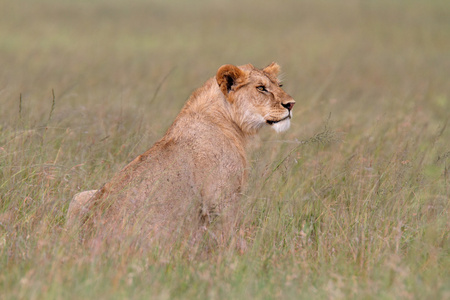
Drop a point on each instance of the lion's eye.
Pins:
(261, 88)
(280, 85)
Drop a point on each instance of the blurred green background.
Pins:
(357, 52)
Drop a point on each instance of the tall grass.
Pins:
(351, 202)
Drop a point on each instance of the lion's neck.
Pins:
(207, 105)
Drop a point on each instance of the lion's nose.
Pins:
(288, 105)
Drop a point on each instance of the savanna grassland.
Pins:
(351, 203)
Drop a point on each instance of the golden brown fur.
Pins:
(197, 170)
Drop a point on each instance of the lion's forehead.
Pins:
(263, 78)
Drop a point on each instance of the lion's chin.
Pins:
(282, 125)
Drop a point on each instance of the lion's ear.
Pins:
(228, 76)
(273, 69)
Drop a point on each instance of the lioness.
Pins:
(197, 170)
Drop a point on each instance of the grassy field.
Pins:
(351, 203)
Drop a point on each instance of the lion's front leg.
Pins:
(78, 208)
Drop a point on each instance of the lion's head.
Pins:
(256, 97)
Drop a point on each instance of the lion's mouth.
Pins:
(271, 122)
